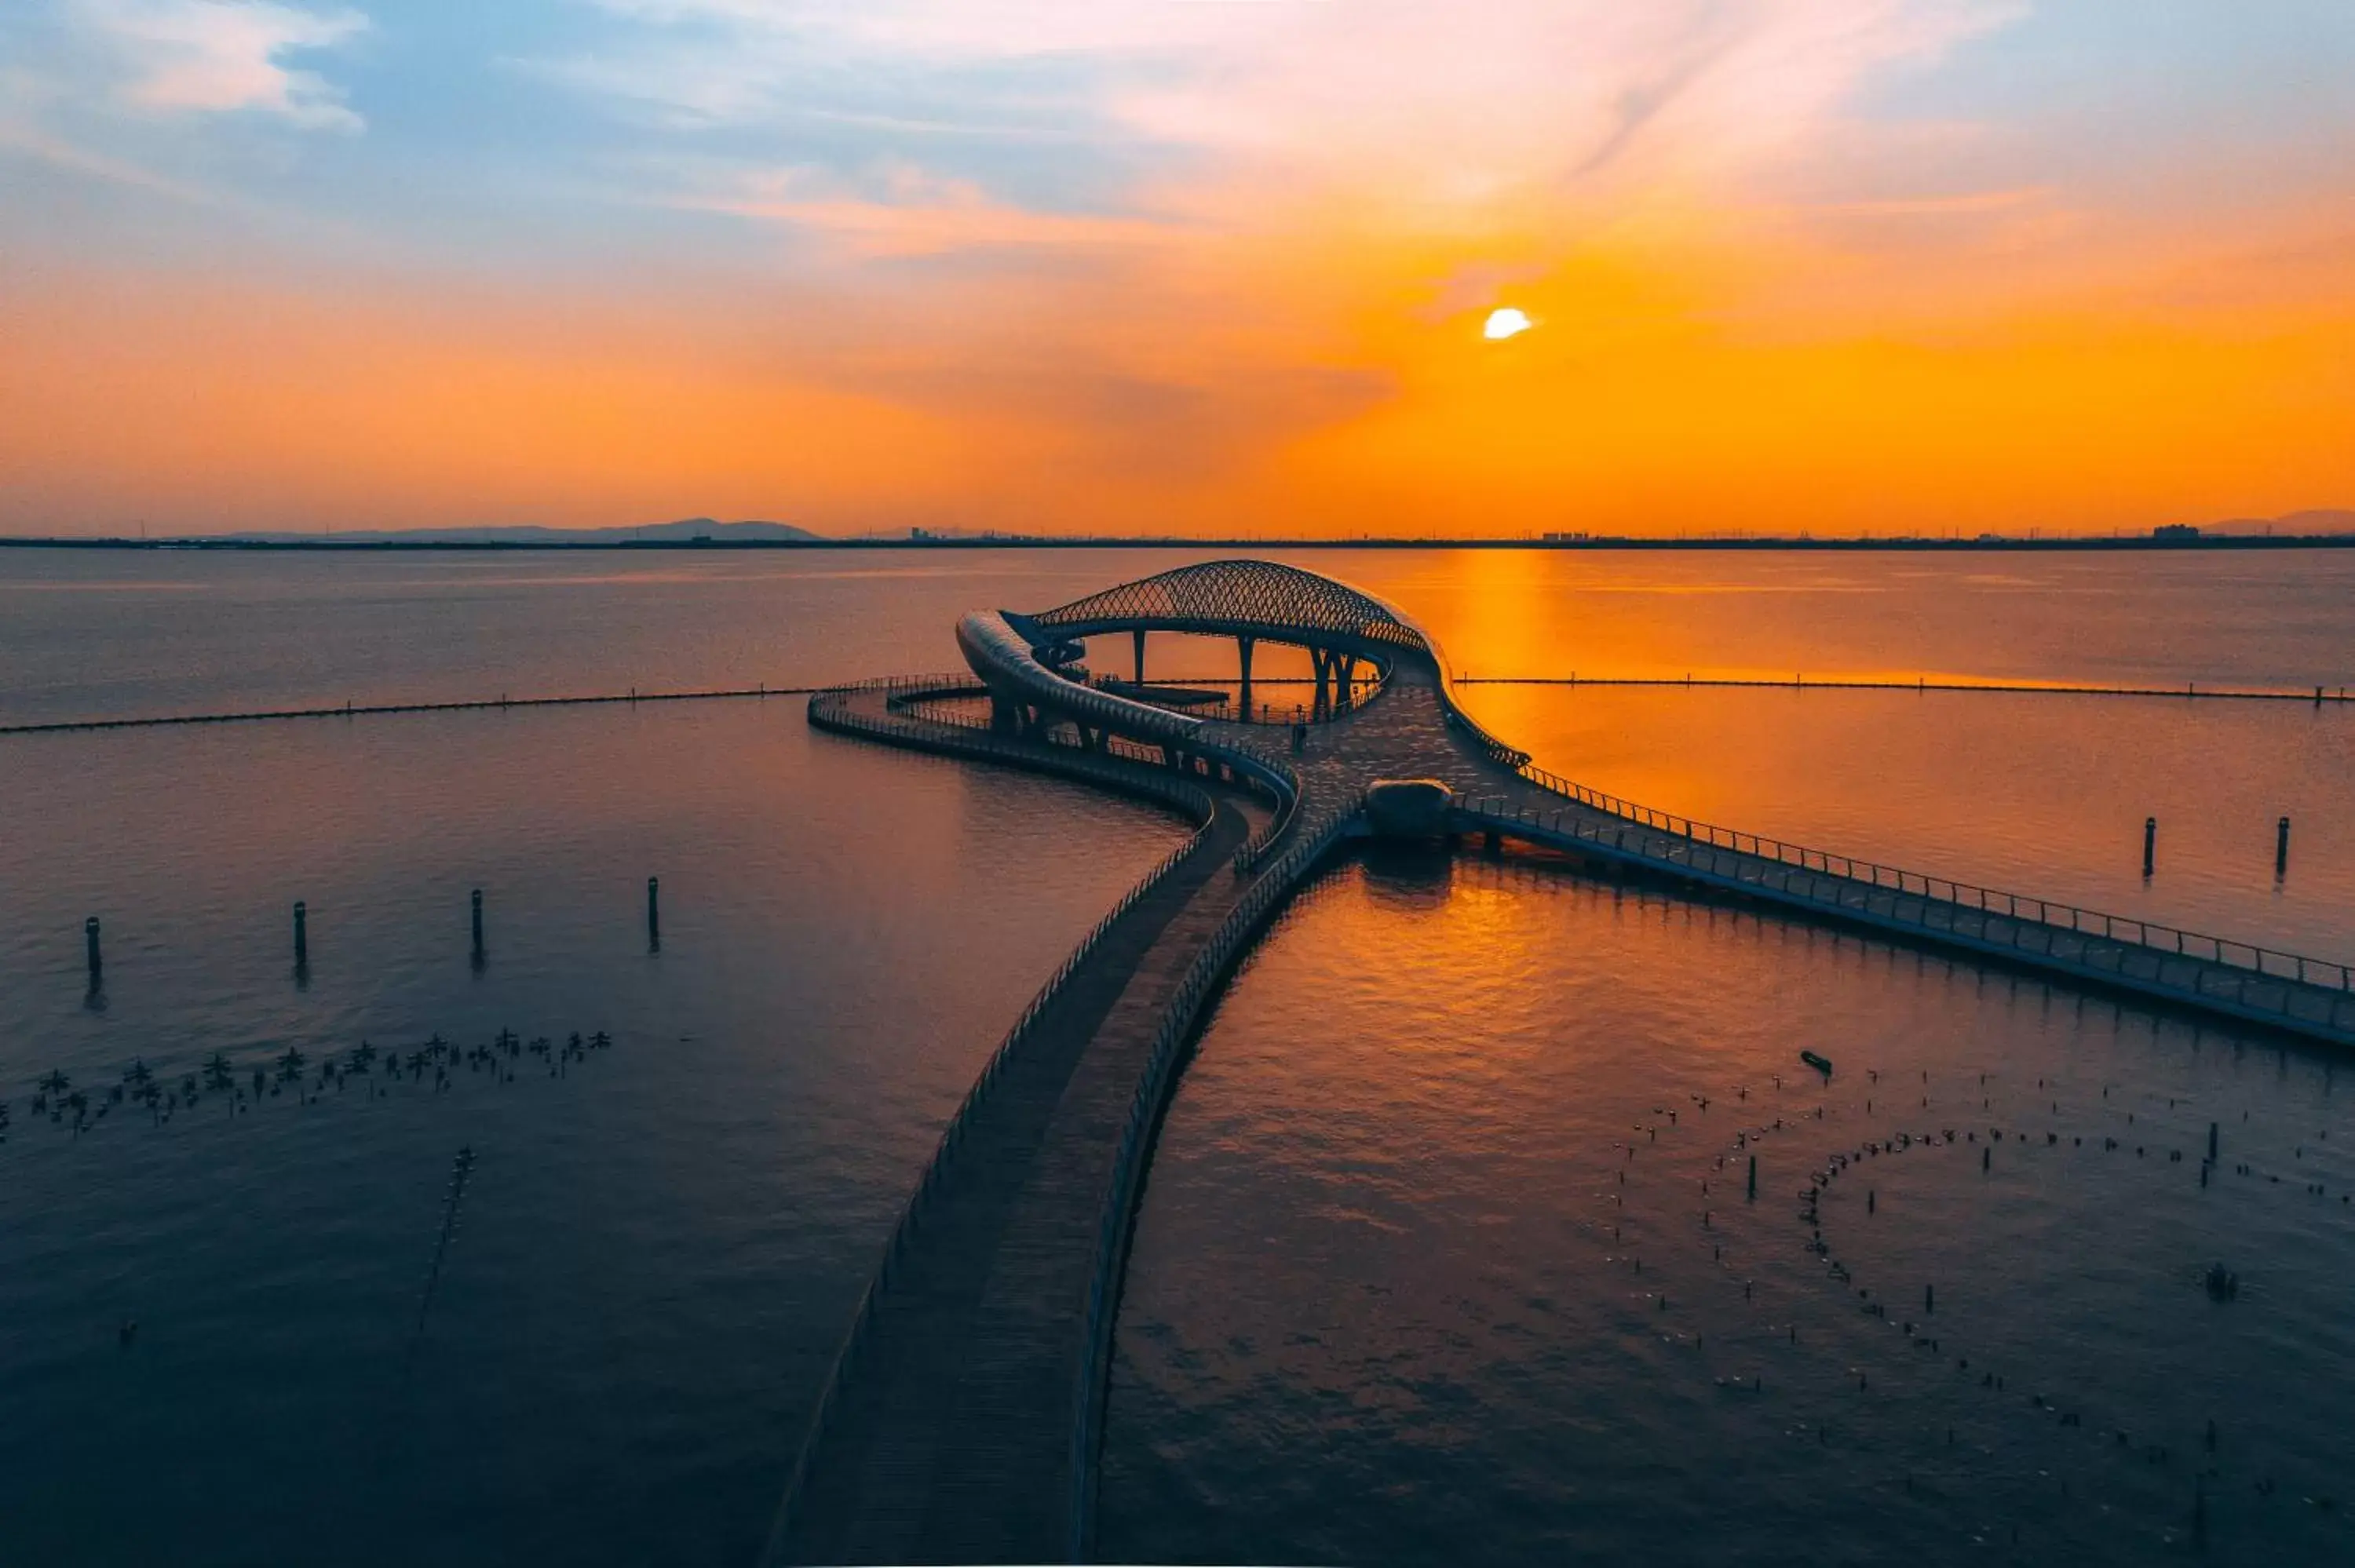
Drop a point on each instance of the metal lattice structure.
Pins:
(1025, 660)
(1264, 599)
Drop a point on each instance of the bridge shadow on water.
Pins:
(1409, 877)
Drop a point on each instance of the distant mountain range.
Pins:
(2312, 522)
(2335, 523)
(685, 529)
(2320, 520)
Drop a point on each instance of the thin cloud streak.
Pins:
(224, 56)
(32, 141)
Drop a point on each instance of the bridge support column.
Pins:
(1139, 636)
(1244, 646)
(1324, 666)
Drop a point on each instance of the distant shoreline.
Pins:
(2003, 546)
(1923, 686)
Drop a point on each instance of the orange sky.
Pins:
(1207, 269)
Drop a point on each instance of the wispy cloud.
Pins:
(220, 56)
(908, 213)
(32, 141)
(1173, 108)
(1963, 204)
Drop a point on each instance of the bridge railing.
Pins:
(1166, 1056)
(910, 695)
(896, 684)
(2270, 962)
(2259, 979)
(834, 702)
(1229, 709)
(922, 695)
(1275, 780)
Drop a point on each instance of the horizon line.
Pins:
(425, 539)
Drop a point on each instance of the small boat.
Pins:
(1820, 1064)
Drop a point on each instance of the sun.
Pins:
(1506, 322)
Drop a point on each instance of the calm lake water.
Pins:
(1392, 1296)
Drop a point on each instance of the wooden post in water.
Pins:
(90, 940)
(2281, 849)
(2149, 844)
(478, 926)
(302, 937)
(1753, 1178)
(654, 914)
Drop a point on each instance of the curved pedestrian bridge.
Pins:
(963, 1417)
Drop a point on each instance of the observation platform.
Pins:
(964, 1417)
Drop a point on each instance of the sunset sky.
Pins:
(1205, 266)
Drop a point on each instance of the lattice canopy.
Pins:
(1218, 596)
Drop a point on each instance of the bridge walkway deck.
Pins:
(1403, 734)
(948, 1434)
(2021, 931)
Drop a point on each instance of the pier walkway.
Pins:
(964, 1417)
(960, 1422)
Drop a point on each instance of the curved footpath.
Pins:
(958, 1424)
